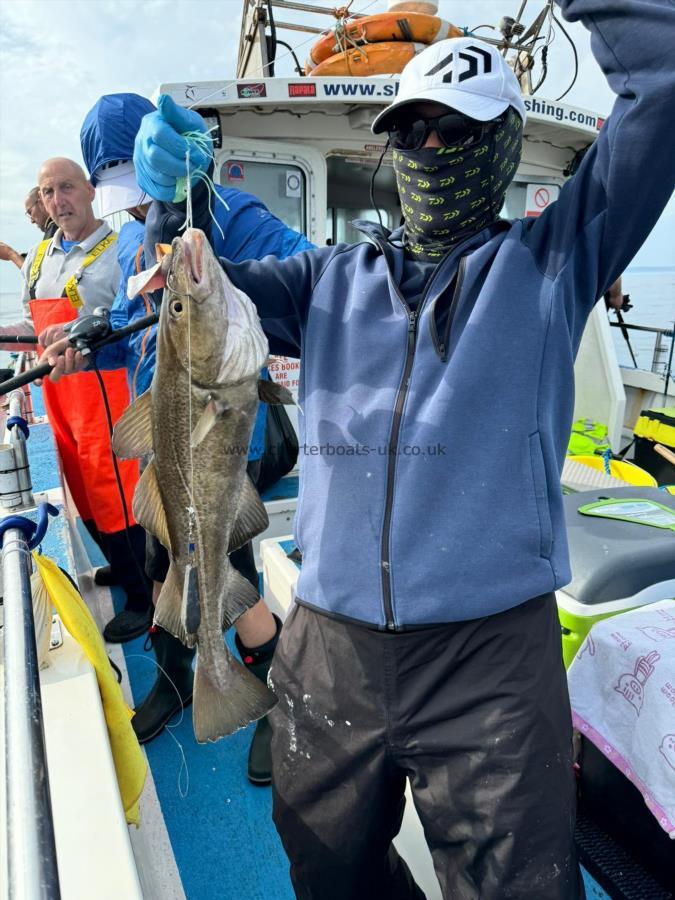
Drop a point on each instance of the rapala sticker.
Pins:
(247, 91)
(304, 89)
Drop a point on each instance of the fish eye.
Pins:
(176, 308)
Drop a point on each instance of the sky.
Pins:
(57, 57)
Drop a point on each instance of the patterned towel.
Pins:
(622, 688)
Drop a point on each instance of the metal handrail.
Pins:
(18, 403)
(666, 332)
(31, 848)
(32, 868)
(660, 348)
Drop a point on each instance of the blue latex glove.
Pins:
(159, 149)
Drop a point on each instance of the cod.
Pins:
(194, 495)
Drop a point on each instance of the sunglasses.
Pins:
(453, 130)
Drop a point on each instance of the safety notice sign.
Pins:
(539, 196)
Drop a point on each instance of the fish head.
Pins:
(212, 326)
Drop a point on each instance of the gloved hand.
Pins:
(159, 150)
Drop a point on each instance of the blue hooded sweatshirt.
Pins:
(249, 228)
(433, 439)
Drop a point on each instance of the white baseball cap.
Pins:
(465, 74)
(117, 188)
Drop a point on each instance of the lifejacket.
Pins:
(77, 412)
(588, 437)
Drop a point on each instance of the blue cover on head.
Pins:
(109, 129)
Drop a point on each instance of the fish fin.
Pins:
(168, 611)
(132, 435)
(252, 518)
(274, 394)
(212, 411)
(239, 596)
(148, 508)
(219, 712)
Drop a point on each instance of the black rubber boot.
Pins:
(162, 703)
(258, 661)
(127, 568)
(126, 552)
(127, 625)
(96, 535)
(104, 577)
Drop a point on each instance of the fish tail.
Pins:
(219, 711)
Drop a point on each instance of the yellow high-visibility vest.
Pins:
(70, 290)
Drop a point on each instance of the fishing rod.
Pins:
(625, 306)
(18, 339)
(86, 334)
(669, 369)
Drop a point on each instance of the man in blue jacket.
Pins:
(425, 643)
(245, 229)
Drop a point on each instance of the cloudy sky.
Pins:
(57, 57)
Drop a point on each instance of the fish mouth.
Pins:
(193, 256)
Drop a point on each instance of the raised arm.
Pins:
(605, 212)
(25, 325)
(281, 291)
(9, 254)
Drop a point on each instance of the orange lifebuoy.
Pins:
(385, 58)
(382, 27)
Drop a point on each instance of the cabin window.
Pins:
(348, 197)
(281, 187)
(514, 204)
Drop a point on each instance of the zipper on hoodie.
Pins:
(385, 561)
(413, 318)
(442, 343)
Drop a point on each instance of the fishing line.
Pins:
(169, 728)
(191, 507)
(116, 470)
(200, 140)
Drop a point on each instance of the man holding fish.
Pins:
(425, 644)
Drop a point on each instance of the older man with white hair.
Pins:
(65, 277)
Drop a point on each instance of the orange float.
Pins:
(385, 58)
(408, 27)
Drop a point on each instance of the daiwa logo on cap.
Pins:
(479, 62)
(465, 74)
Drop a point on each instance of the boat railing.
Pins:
(32, 871)
(258, 16)
(664, 344)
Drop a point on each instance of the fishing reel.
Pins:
(86, 330)
(625, 303)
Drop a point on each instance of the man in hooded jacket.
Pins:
(436, 658)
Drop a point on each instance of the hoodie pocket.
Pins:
(540, 486)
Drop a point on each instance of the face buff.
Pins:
(448, 193)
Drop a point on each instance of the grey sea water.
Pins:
(652, 292)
